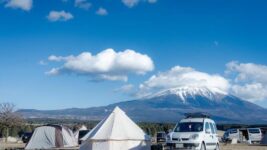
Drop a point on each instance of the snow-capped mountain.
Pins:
(170, 106)
(191, 92)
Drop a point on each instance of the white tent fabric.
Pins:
(68, 138)
(116, 132)
(82, 128)
(44, 137)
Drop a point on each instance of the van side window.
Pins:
(215, 127)
(207, 126)
(212, 128)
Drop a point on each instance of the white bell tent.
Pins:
(116, 132)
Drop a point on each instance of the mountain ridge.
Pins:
(169, 106)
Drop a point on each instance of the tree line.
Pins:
(13, 124)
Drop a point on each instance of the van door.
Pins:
(214, 135)
(234, 134)
(209, 137)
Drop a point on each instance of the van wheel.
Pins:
(217, 147)
(203, 147)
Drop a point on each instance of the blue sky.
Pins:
(204, 35)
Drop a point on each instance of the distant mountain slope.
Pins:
(169, 106)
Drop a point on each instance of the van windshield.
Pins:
(189, 127)
(253, 130)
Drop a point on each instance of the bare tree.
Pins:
(8, 117)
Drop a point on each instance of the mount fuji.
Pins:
(170, 106)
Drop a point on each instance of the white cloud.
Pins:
(42, 62)
(106, 65)
(59, 58)
(132, 3)
(248, 71)
(250, 80)
(251, 92)
(59, 16)
(102, 11)
(83, 4)
(183, 76)
(125, 88)
(21, 4)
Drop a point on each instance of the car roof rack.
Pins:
(197, 115)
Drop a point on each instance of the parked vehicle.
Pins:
(197, 131)
(161, 137)
(26, 137)
(254, 135)
(231, 134)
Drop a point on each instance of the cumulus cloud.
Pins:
(102, 11)
(59, 16)
(20, 4)
(182, 76)
(247, 71)
(132, 3)
(251, 92)
(250, 80)
(83, 4)
(106, 65)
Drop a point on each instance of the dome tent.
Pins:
(51, 136)
(82, 128)
(116, 132)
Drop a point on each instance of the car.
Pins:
(231, 134)
(196, 131)
(26, 137)
(254, 135)
(161, 137)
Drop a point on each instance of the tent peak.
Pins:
(118, 110)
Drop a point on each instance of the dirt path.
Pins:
(242, 147)
(12, 146)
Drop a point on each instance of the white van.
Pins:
(254, 135)
(197, 131)
(231, 134)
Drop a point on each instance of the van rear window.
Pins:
(253, 130)
(233, 131)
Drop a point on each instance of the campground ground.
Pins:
(223, 147)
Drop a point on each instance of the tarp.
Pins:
(116, 132)
(47, 137)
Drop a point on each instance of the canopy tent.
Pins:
(264, 139)
(82, 128)
(116, 132)
(51, 136)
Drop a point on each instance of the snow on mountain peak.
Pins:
(191, 91)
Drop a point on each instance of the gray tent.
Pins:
(51, 136)
(264, 139)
